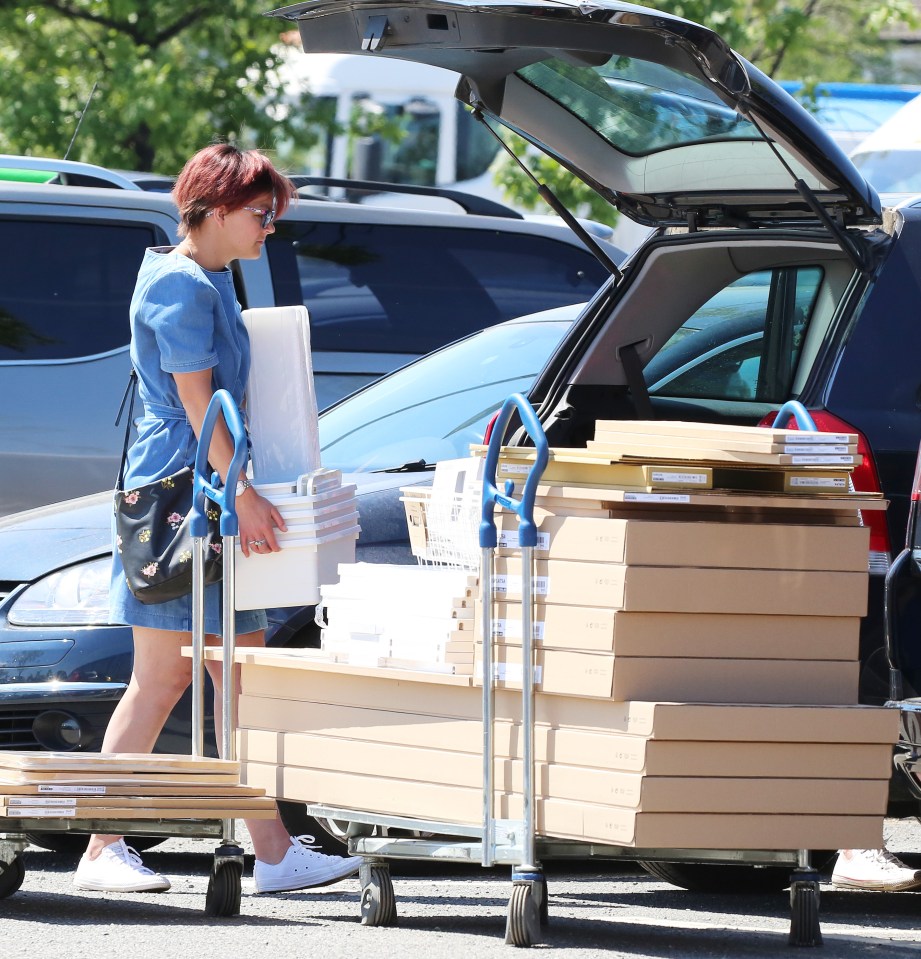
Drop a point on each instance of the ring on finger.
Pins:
(257, 542)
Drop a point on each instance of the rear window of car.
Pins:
(398, 289)
(65, 287)
(742, 344)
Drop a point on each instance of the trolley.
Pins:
(225, 882)
(515, 842)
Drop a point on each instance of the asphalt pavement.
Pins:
(596, 909)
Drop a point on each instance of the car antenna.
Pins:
(86, 107)
(554, 203)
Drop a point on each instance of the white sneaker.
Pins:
(118, 868)
(875, 869)
(303, 867)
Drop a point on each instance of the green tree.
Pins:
(171, 76)
(808, 40)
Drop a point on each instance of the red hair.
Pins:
(223, 175)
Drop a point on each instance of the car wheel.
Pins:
(723, 878)
(74, 843)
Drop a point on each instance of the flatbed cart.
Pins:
(225, 885)
(514, 842)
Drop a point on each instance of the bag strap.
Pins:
(130, 393)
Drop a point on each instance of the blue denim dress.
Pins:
(183, 319)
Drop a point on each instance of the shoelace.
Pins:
(308, 842)
(130, 856)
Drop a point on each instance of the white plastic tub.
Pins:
(292, 576)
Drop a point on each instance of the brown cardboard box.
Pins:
(572, 747)
(602, 675)
(300, 681)
(695, 544)
(701, 831)
(579, 783)
(686, 589)
(717, 635)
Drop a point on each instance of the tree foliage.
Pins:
(807, 40)
(170, 76)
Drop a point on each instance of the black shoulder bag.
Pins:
(152, 530)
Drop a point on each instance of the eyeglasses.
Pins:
(268, 216)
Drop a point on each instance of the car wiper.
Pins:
(414, 466)
(551, 199)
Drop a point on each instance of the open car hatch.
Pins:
(654, 112)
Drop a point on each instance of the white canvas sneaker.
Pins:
(874, 869)
(118, 868)
(302, 868)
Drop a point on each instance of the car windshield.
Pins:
(435, 408)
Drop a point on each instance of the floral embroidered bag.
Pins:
(152, 532)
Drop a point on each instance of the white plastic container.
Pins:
(292, 576)
(343, 521)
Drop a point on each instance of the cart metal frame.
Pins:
(514, 842)
(225, 883)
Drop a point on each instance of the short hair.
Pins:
(224, 175)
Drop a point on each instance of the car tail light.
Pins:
(865, 479)
(489, 426)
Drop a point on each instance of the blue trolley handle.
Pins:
(224, 497)
(795, 409)
(523, 508)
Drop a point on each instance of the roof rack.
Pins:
(468, 202)
(64, 172)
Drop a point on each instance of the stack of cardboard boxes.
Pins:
(696, 666)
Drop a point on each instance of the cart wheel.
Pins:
(378, 905)
(11, 876)
(804, 907)
(224, 888)
(524, 913)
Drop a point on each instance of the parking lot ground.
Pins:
(596, 909)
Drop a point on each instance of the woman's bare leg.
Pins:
(160, 676)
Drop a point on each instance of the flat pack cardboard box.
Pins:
(575, 747)
(683, 679)
(664, 543)
(374, 757)
(685, 589)
(302, 681)
(607, 824)
(706, 635)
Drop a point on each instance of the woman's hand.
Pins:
(259, 520)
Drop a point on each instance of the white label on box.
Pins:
(823, 448)
(810, 437)
(509, 539)
(690, 479)
(823, 460)
(819, 482)
(503, 583)
(512, 672)
(37, 812)
(38, 801)
(511, 629)
(515, 468)
(80, 790)
(656, 498)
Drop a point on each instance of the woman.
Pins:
(188, 340)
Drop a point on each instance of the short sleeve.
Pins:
(180, 310)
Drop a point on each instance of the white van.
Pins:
(890, 157)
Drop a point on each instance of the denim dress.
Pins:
(183, 319)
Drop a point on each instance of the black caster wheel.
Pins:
(11, 876)
(224, 888)
(804, 907)
(524, 913)
(378, 905)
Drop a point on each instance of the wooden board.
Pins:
(725, 432)
(120, 763)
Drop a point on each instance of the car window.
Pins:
(742, 344)
(65, 287)
(434, 408)
(409, 289)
